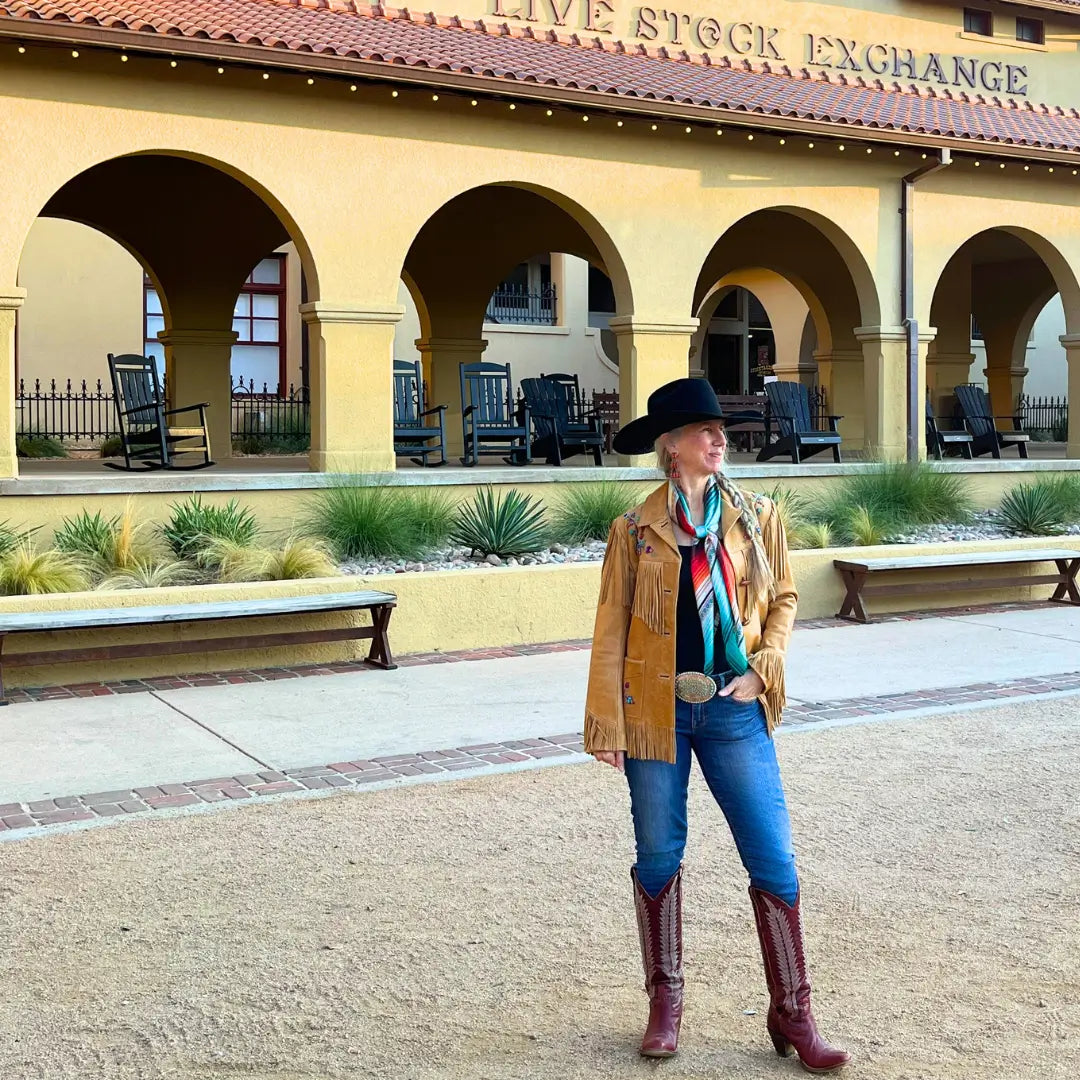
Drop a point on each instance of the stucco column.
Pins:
(944, 372)
(840, 372)
(650, 354)
(1005, 385)
(885, 360)
(11, 299)
(351, 370)
(197, 369)
(1071, 344)
(442, 359)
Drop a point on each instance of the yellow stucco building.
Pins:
(876, 175)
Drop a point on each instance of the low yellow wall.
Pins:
(445, 611)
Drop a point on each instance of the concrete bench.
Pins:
(380, 604)
(970, 567)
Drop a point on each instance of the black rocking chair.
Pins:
(148, 438)
(413, 433)
(557, 436)
(938, 441)
(973, 403)
(488, 417)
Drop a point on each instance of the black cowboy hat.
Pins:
(684, 401)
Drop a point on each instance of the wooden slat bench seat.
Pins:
(380, 604)
(972, 567)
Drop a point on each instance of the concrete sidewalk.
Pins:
(96, 744)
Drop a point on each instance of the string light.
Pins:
(841, 147)
(1074, 172)
(474, 103)
(869, 149)
(809, 146)
(266, 74)
(783, 142)
(352, 88)
(896, 153)
(311, 82)
(978, 164)
(1002, 165)
(654, 127)
(75, 54)
(750, 137)
(221, 71)
(924, 157)
(550, 113)
(688, 130)
(618, 123)
(585, 119)
(719, 131)
(434, 97)
(1051, 168)
(512, 105)
(1027, 168)
(123, 58)
(21, 49)
(172, 63)
(393, 93)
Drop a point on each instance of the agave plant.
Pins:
(510, 524)
(1035, 509)
(86, 535)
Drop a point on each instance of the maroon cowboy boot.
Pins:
(790, 1021)
(660, 929)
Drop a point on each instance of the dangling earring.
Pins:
(673, 471)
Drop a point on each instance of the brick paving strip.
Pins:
(357, 774)
(23, 695)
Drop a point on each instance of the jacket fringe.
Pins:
(602, 733)
(617, 576)
(774, 541)
(650, 742)
(649, 596)
(770, 666)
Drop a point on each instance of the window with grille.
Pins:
(258, 357)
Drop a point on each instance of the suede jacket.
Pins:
(631, 696)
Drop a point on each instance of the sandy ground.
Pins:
(483, 928)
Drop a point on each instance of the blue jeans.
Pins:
(738, 759)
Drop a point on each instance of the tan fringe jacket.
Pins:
(631, 697)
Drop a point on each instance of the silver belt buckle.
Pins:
(695, 687)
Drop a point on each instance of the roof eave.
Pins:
(66, 33)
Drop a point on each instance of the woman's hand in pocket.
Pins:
(744, 688)
(614, 758)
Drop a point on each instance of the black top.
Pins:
(689, 643)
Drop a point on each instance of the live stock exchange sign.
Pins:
(875, 59)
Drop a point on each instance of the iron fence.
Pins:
(516, 304)
(82, 412)
(1048, 416)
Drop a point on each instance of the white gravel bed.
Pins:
(463, 559)
(985, 525)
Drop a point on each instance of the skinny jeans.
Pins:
(738, 759)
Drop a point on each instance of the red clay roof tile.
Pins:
(385, 35)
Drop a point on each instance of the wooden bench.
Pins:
(856, 572)
(380, 604)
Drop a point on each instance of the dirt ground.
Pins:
(483, 928)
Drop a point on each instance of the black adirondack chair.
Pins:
(572, 388)
(556, 435)
(489, 421)
(973, 404)
(789, 409)
(148, 437)
(938, 440)
(414, 433)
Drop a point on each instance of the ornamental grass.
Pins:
(585, 511)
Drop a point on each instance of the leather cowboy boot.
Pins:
(660, 929)
(790, 1021)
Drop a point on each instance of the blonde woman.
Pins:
(696, 608)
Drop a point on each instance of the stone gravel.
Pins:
(483, 930)
(464, 559)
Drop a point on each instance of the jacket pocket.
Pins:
(633, 688)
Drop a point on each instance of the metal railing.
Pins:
(78, 411)
(516, 304)
(1047, 416)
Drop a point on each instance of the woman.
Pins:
(696, 608)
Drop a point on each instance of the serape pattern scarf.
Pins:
(714, 582)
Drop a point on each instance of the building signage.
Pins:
(735, 40)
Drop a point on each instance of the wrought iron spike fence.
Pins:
(86, 412)
(1048, 416)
